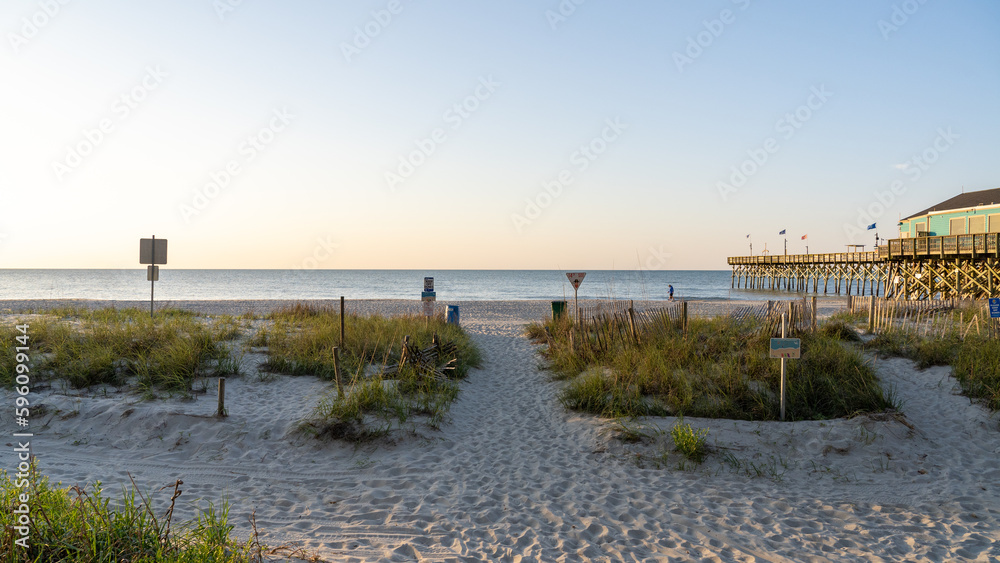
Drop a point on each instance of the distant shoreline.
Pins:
(533, 308)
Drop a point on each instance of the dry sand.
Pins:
(513, 476)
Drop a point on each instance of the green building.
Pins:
(967, 213)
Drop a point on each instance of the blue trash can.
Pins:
(452, 317)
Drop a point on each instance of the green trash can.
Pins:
(558, 309)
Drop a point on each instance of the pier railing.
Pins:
(982, 243)
(830, 258)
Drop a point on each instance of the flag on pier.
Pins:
(804, 237)
(870, 227)
(782, 232)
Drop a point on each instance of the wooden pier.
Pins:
(953, 266)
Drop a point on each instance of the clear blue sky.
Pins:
(644, 109)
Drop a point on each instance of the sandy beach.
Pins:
(514, 476)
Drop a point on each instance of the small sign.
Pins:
(576, 278)
(147, 254)
(788, 348)
(994, 307)
(428, 308)
(152, 273)
(428, 296)
(428, 284)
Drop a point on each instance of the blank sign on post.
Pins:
(147, 254)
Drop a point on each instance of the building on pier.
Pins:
(948, 250)
(966, 213)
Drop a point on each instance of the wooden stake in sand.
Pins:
(684, 316)
(222, 397)
(631, 323)
(782, 372)
(341, 321)
(336, 372)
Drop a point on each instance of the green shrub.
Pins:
(689, 442)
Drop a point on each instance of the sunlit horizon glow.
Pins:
(650, 135)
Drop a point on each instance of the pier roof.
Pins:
(963, 201)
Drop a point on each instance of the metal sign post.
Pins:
(785, 348)
(576, 278)
(153, 252)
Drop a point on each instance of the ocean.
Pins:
(450, 285)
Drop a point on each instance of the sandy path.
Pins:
(514, 477)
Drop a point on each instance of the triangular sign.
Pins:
(576, 278)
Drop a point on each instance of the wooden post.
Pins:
(813, 319)
(684, 317)
(631, 323)
(576, 302)
(404, 355)
(782, 371)
(336, 372)
(222, 398)
(341, 321)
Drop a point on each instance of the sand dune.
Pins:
(513, 476)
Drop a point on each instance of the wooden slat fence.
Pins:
(927, 317)
(799, 314)
(614, 322)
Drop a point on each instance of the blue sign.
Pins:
(995, 307)
(789, 348)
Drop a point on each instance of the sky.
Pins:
(514, 134)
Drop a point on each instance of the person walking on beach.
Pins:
(671, 292)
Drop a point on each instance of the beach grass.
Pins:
(85, 525)
(300, 341)
(113, 346)
(976, 365)
(719, 369)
